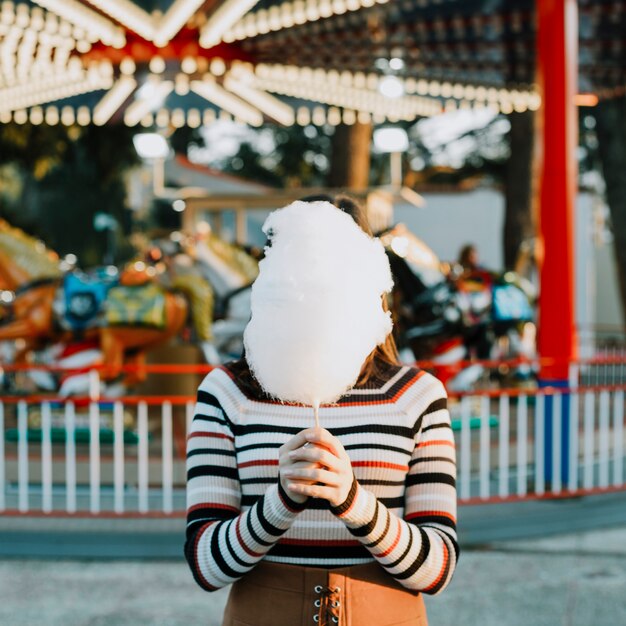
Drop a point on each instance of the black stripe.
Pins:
(216, 553)
(202, 417)
(373, 544)
(212, 470)
(421, 557)
(347, 503)
(436, 405)
(258, 446)
(189, 551)
(403, 555)
(319, 552)
(438, 425)
(208, 398)
(220, 451)
(258, 481)
(381, 397)
(424, 478)
(241, 430)
(365, 429)
(444, 578)
(268, 527)
(249, 500)
(363, 531)
(382, 483)
(208, 514)
(379, 446)
(392, 503)
(430, 459)
(231, 550)
(250, 528)
(288, 501)
(435, 519)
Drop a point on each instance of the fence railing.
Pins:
(126, 456)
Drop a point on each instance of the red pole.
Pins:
(557, 73)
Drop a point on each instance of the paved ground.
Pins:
(571, 580)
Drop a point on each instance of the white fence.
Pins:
(126, 457)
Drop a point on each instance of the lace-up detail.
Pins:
(327, 605)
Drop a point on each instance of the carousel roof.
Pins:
(177, 62)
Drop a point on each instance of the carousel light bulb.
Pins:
(208, 117)
(181, 84)
(157, 65)
(194, 119)
(83, 116)
(162, 118)
(189, 65)
(178, 118)
(127, 66)
(20, 116)
(217, 67)
(52, 115)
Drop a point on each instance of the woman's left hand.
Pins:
(333, 480)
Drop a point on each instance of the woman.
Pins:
(345, 524)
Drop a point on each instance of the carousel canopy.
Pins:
(186, 62)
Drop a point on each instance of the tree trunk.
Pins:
(350, 158)
(611, 129)
(519, 227)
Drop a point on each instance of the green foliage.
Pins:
(288, 157)
(67, 175)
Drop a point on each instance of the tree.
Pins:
(519, 225)
(67, 175)
(610, 116)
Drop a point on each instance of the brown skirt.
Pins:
(287, 595)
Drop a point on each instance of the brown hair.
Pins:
(381, 358)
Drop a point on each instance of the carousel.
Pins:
(164, 64)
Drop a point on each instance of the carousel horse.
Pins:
(133, 321)
(231, 271)
(446, 319)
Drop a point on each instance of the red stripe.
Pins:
(402, 468)
(443, 568)
(400, 391)
(212, 505)
(430, 514)
(211, 435)
(435, 442)
(394, 544)
(242, 543)
(195, 554)
(255, 463)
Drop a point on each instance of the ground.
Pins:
(571, 580)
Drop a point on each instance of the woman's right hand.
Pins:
(286, 465)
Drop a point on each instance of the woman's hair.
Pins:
(384, 355)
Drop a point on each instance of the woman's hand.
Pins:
(321, 470)
(289, 465)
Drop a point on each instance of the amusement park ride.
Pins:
(163, 64)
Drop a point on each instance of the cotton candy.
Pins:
(316, 304)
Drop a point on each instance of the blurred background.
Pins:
(142, 145)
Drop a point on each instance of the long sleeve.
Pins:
(223, 543)
(420, 551)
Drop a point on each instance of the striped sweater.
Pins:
(401, 510)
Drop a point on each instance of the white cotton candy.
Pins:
(316, 305)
